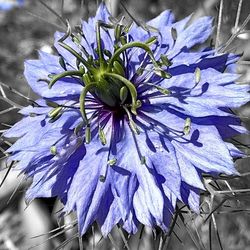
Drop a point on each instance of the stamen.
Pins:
(52, 104)
(55, 118)
(197, 75)
(139, 71)
(102, 178)
(131, 122)
(53, 150)
(151, 40)
(87, 134)
(102, 136)
(54, 112)
(165, 60)
(143, 160)
(160, 89)
(123, 40)
(174, 34)
(128, 27)
(160, 72)
(187, 126)
(112, 162)
(118, 32)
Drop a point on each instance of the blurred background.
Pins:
(27, 29)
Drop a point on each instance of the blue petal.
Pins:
(197, 33)
(146, 179)
(191, 197)
(102, 13)
(58, 178)
(70, 59)
(164, 19)
(35, 72)
(22, 127)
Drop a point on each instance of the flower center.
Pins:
(106, 77)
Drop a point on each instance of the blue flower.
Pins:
(9, 4)
(128, 121)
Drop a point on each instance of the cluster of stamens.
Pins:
(106, 77)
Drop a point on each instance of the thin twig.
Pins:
(7, 110)
(217, 41)
(238, 16)
(231, 39)
(2, 91)
(54, 12)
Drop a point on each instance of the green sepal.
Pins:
(76, 54)
(83, 94)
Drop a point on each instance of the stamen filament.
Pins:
(102, 136)
(164, 91)
(131, 122)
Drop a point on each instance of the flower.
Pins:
(9, 4)
(129, 119)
